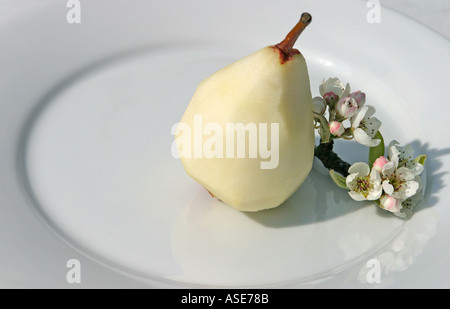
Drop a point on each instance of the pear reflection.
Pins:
(300, 241)
(215, 244)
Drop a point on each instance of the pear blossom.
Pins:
(398, 182)
(360, 97)
(365, 126)
(334, 85)
(363, 183)
(336, 128)
(401, 181)
(380, 163)
(318, 105)
(405, 157)
(402, 208)
(393, 181)
(347, 107)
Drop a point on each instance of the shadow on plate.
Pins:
(433, 172)
(319, 199)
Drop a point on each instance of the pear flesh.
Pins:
(260, 88)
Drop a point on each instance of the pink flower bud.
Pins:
(336, 128)
(390, 203)
(360, 97)
(319, 105)
(331, 98)
(379, 163)
(347, 107)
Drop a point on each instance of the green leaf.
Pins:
(421, 159)
(377, 151)
(338, 179)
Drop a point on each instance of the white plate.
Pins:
(87, 172)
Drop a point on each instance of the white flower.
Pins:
(336, 86)
(405, 157)
(402, 208)
(336, 128)
(363, 184)
(365, 126)
(347, 107)
(318, 105)
(398, 182)
(401, 183)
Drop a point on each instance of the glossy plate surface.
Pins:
(87, 115)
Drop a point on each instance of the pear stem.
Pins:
(287, 44)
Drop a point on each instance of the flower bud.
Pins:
(379, 164)
(360, 97)
(347, 107)
(390, 203)
(318, 105)
(336, 128)
(330, 98)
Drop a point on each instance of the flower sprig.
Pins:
(392, 181)
(342, 106)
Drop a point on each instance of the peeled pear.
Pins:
(270, 86)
